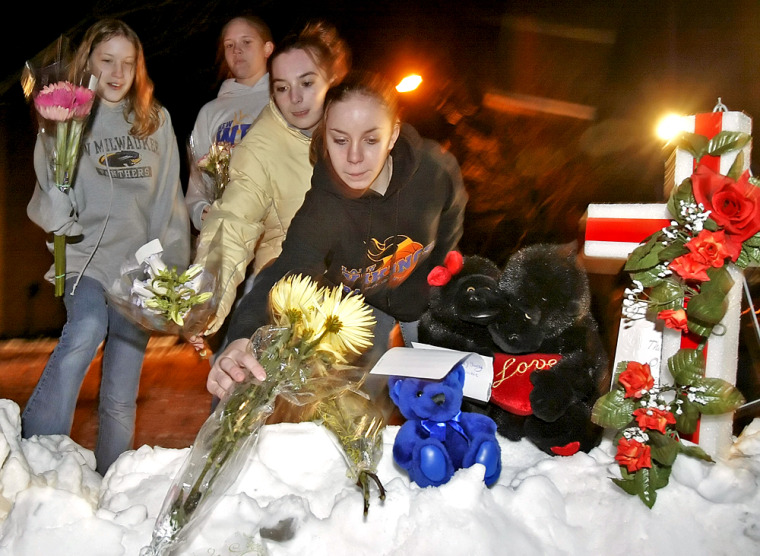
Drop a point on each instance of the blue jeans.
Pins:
(89, 321)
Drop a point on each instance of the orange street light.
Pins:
(409, 83)
(670, 126)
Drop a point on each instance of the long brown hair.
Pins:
(140, 100)
(322, 43)
(362, 83)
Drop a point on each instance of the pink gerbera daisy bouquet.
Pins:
(63, 102)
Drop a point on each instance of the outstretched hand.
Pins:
(232, 366)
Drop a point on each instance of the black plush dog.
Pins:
(549, 362)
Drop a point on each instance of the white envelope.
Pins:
(433, 363)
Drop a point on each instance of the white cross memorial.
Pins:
(613, 231)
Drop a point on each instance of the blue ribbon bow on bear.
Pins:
(437, 429)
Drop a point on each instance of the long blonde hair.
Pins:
(139, 99)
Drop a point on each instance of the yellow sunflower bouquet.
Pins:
(306, 353)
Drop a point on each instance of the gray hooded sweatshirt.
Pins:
(126, 192)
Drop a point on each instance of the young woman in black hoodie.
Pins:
(384, 208)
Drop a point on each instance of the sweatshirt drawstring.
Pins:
(102, 231)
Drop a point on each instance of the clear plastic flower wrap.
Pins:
(305, 354)
(164, 299)
(63, 101)
(212, 167)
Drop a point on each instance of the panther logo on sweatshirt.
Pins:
(120, 159)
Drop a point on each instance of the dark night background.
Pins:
(613, 66)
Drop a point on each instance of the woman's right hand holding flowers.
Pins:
(232, 366)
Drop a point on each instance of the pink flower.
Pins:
(651, 418)
(56, 101)
(714, 247)
(690, 267)
(675, 319)
(83, 99)
(734, 205)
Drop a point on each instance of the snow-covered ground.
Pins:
(53, 503)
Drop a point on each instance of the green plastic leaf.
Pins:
(753, 241)
(675, 249)
(687, 419)
(716, 396)
(695, 452)
(705, 310)
(649, 277)
(737, 167)
(711, 225)
(687, 366)
(645, 256)
(664, 448)
(700, 329)
(666, 295)
(644, 483)
(613, 410)
(628, 485)
(726, 141)
(749, 256)
(659, 475)
(720, 280)
(683, 193)
(694, 143)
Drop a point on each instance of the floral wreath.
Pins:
(680, 274)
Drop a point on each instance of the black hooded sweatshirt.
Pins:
(383, 246)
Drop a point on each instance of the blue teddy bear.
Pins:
(437, 437)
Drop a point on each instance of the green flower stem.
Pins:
(61, 137)
(237, 423)
(72, 149)
(59, 258)
(357, 426)
(243, 416)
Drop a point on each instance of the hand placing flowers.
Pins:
(314, 333)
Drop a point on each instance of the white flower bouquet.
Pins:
(162, 298)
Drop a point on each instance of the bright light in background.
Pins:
(409, 83)
(670, 126)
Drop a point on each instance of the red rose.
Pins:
(633, 455)
(651, 418)
(734, 205)
(714, 247)
(636, 379)
(675, 319)
(690, 267)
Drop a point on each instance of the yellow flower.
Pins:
(346, 324)
(293, 299)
